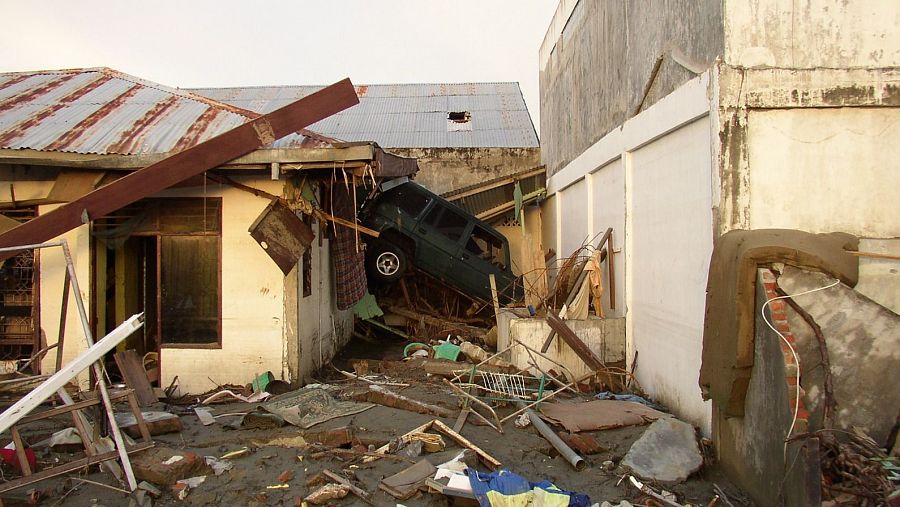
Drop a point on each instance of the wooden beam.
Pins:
(183, 165)
(581, 350)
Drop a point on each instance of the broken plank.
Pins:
(383, 396)
(205, 416)
(384, 448)
(581, 350)
(132, 370)
(453, 369)
(461, 440)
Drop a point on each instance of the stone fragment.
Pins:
(667, 452)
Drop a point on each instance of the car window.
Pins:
(409, 200)
(449, 223)
(487, 246)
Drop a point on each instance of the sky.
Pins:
(205, 43)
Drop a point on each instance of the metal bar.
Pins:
(98, 369)
(554, 393)
(30, 247)
(183, 165)
(62, 322)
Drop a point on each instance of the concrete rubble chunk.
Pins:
(667, 452)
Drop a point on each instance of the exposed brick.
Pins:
(782, 327)
(777, 306)
(150, 465)
(583, 443)
(331, 438)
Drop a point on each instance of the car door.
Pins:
(440, 234)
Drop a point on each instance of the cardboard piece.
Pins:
(598, 414)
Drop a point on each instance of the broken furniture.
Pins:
(92, 458)
(92, 357)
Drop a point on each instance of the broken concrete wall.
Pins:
(751, 448)
(597, 58)
(444, 169)
(863, 341)
(605, 337)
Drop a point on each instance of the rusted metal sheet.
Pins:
(282, 235)
(102, 111)
(181, 166)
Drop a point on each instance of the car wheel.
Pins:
(387, 262)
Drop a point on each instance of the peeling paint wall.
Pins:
(444, 169)
(812, 33)
(597, 61)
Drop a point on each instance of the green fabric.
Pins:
(367, 307)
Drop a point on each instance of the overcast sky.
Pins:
(240, 43)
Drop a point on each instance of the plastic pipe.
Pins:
(571, 456)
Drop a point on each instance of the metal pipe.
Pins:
(30, 247)
(571, 456)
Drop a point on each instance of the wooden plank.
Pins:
(461, 440)
(59, 379)
(461, 420)
(185, 164)
(581, 350)
(132, 369)
(495, 300)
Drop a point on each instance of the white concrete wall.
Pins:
(825, 170)
(573, 202)
(812, 33)
(671, 240)
(653, 179)
(607, 205)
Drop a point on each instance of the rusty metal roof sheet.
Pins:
(409, 115)
(102, 111)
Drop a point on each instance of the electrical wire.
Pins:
(793, 351)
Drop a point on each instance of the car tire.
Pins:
(387, 262)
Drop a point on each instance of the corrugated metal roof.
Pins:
(102, 111)
(408, 115)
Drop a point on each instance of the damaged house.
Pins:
(760, 135)
(231, 282)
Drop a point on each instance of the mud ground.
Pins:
(522, 451)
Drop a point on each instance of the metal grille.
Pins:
(18, 308)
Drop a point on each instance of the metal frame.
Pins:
(90, 357)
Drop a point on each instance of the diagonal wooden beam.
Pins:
(183, 165)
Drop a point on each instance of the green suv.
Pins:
(420, 228)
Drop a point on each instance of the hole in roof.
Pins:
(459, 116)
